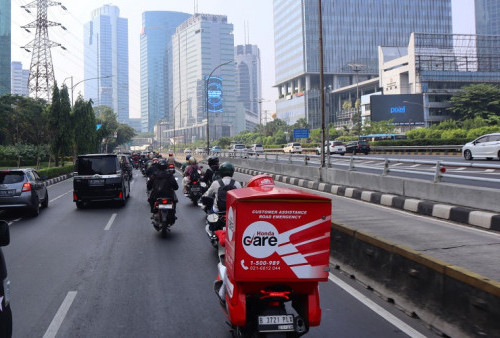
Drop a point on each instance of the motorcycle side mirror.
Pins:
(176, 178)
(4, 233)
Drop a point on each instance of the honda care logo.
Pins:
(260, 239)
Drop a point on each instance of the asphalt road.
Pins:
(105, 272)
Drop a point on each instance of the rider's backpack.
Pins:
(195, 175)
(222, 192)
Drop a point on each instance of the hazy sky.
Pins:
(256, 15)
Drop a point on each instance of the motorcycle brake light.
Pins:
(195, 182)
(26, 187)
(274, 294)
(164, 202)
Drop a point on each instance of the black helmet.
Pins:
(162, 164)
(213, 160)
(188, 157)
(226, 169)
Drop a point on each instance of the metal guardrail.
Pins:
(389, 164)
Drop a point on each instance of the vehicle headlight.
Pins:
(6, 290)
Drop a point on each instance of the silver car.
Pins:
(486, 146)
(23, 188)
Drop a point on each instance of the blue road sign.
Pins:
(301, 133)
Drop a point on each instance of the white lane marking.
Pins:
(58, 197)
(377, 308)
(489, 171)
(110, 222)
(60, 315)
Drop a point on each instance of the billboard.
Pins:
(214, 92)
(404, 109)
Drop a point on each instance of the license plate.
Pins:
(195, 189)
(276, 323)
(7, 192)
(96, 182)
(165, 206)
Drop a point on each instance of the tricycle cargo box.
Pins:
(277, 234)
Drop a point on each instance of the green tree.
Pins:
(223, 142)
(477, 100)
(107, 119)
(379, 127)
(84, 124)
(53, 115)
(65, 124)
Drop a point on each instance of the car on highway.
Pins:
(356, 147)
(255, 149)
(100, 177)
(336, 147)
(215, 149)
(485, 146)
(199, 151)
(23, 189)
(187, 151)
(239, 150)
(293, 148)
(5, 311)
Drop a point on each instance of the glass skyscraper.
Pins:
(248, 83)
(5, 39)
(106, 61)
(156, 66)
(487, 17)
(201, 45)
(352, 32)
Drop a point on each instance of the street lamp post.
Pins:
(76, 84)
(206, 89)
(178, 104)
(321, 84)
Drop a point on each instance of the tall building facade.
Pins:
(203, 49)
(487, 24)
(156, 65)
(5, 42)
(106, 60)
(19, 79)
(487, 17)
(352, 32)
(249, 83)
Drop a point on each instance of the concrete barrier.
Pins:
(453, 300)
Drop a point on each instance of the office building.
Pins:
(487, 17)
(156, 66)
(487, 24)
(248, 83)
(5, 42)
(19, 79)
(352, 32)
(106, 60)
(203, 48)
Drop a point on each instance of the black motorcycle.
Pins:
(194, 190)
(164, 215)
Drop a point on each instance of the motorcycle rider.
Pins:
(152, 168)
(185, 164)
(212, 172)
(190, 169)
(162, 184)
(171, 159)
(226, 171)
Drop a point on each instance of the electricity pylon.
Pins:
(41, 79)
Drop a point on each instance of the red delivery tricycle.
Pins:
(277, 248)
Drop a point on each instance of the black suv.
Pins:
(355, 147)
(5, 311)
(100, 177)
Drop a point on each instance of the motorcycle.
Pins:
(171, 168)
(268, 276)
(164, 215)
(195, 190)
(215, 222)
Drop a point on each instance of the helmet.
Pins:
(170, 154)
(226, 169)
(192, 160)
(188, 157)
(155, 160)
(261, 181)
(162, 164)
(213, 160)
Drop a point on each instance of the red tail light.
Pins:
(26, 187)
(75, 198)
(275, 294)
(164, 202)
(195, 182)
(120, 195)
